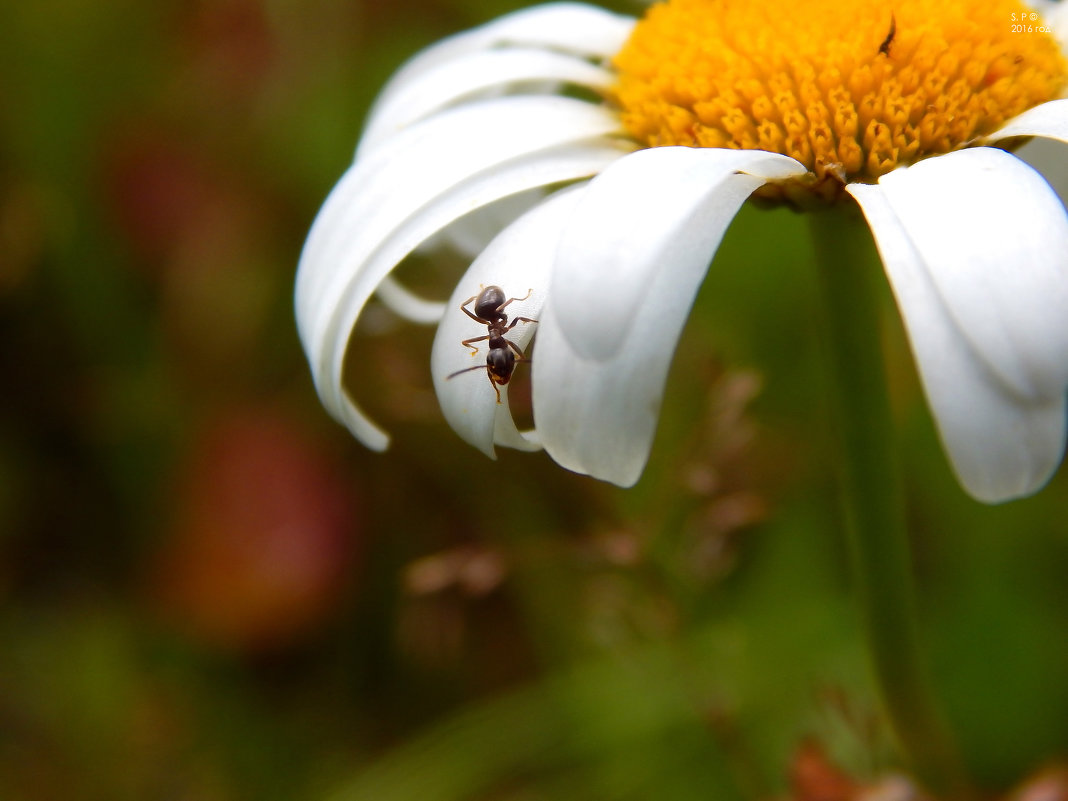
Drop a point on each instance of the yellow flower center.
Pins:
(850, 89)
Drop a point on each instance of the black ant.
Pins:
(884, 48)
(500, 360)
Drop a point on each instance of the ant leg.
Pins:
(515, 347)
(529, 293)
(519, 320)
(496, 389)
(467, 343)
(471, 314)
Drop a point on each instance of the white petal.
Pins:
(996, 239)
(469, 236)
(363, 261)
(1046, 152)
(339, 312)
(630, 263)
(1002, 443)
(1050, 158)
(574, 28)
(1049, 120)
(645, 232)
(429, 158)
(471, 233)
(518, 260)
(413, 186)
(426, 159)
(599, 417)
(1056, 16)
(407, 304)
(470, 75)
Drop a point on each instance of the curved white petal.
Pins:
(1050, 158)
(1041, 6)
(428, 158)
(339, 315)
(470, 75)
(627, 270)
(996, 239)
(575, 28)
(408, 304)
(468, 235)
(1046, 152)
(599, 417)
(363, 262)
(1056, 16)
(645, 232)
(413, 186)
(986, 313)
(518, 260)
(1049, 120)
(471, 233)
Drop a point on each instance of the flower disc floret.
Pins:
(852, 90)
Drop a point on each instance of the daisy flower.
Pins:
(576, 154)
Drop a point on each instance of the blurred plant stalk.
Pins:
(872, 498)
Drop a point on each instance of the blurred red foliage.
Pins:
(264, 536)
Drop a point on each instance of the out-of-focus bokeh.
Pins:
(209, 591)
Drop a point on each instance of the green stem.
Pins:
(875, 522)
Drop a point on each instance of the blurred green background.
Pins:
(210, 591)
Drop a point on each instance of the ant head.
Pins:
(500, 362)
(488, 302)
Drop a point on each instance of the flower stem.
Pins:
(875, 521)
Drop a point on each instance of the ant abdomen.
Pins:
(500, 362)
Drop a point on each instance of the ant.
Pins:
(489, 311)
(884, 48)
